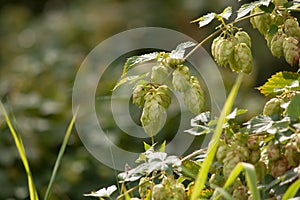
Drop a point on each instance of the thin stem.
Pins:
(220, 30)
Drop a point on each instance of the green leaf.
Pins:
(288, 4)
(212, 147)
(279, 83)
(206, 19)
(293, 109)
(21, 149)
(147, 146)
(227, 12)
(292, 190)
(179, 52)
(163, 146)
(273, 29)
(251, 179)
(244, 10)
(268, 9)
(236, 112)
(134, 60)
(190, 169)
(132, 79)
(263, 123)
(103, 192)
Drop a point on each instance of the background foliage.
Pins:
(43, 44)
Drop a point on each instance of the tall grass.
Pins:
(19, 144)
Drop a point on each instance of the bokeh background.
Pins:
(42, 44)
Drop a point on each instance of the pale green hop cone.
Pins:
(243, 37)
(159, 74)
(291, 50)
(181, 78)
(277, 44)
(243, 57)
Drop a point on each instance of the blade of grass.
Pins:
(60, 155)
(250, 178)
(212, 148)
(292, 190)
(19, 144)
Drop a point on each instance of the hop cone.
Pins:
(215, 48)
(231, 160)
(272, 107)
(138, 94)
(291, 154)
(163, 96)
(261, 22)
(159, 74)
(152, 114)
(159, 192)
(194, 96)
(291, 50)
(240, 193)
(253, 142)
(273, 151)
(276, 45)
(181, 78)
(225, 52)
(144, 186)
(243, 58)
(279, 167)
(243, 37)
(279, 2)
(291, 27)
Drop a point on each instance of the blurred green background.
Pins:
(42, 44)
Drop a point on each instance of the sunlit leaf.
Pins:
(203, 118)
(132, 79)
(292, 190)
(227, 12)
(244, 10)
(190, 168)
(236, 112)
(263, 123)
(250, 178)
(280, 82)
(293, 109)
(104, 192)
(179, 52)
(206, 19)
(134, 60)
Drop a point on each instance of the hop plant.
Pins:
(156, 101)
(159, 192)
(139, 93)
(279, 2)
(261, 22)
(279, 167)
(145, 186)
(274, 151)
(276, 45)
(291, 50)
(253, 142)
(225, 52)
(291, 27)
(193, 97)
(159, 74)
(231, 160)
(272, 107)
(254, 156)
(243, 37)
(242, 58)
(215, 48)
(181, 78)
(240, 193)
(292, 154)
